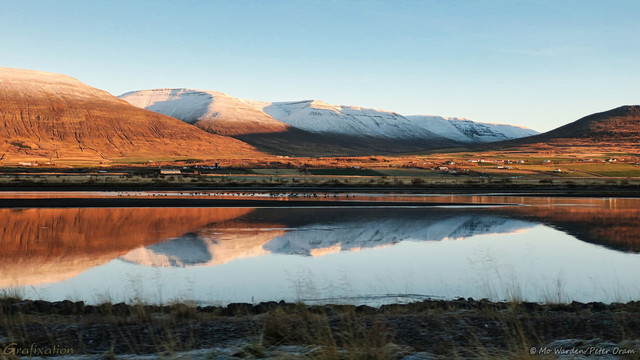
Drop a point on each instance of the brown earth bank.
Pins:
(432, 329)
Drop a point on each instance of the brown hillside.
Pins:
(616, 128)
(45, 115)
(620, 125)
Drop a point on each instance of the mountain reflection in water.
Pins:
(48, 245)
(613, 224)
(315, 232)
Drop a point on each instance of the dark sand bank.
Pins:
(556, 186)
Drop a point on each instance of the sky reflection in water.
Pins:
(584, 251)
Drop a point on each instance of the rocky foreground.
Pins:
(433, 329)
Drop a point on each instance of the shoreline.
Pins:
(553, 191)
(289, 197)
(560, 186)
(243, 203)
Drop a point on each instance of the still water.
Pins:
(527, 248)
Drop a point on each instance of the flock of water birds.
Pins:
(232, 194)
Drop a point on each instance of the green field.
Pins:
(585, 169)
(609, 170)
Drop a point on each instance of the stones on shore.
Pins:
(67, 307)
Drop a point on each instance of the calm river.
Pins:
(542, 249)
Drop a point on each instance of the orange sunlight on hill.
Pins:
(50, 117)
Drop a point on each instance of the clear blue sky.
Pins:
(536, 63)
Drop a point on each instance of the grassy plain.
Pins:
(509, 169)
(536, 162)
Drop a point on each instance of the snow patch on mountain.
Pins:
(210, 110)
(196, 106)
(31, 84)
(465, 130)
(320, 117)
(184, 104)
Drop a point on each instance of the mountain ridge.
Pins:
(314, 127)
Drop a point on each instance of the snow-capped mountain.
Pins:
(220, 113)
(212, 111)
(319, 117)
